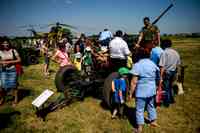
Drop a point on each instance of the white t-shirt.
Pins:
(169, 59)
(118, 48)
(8, 55)
(104, 35)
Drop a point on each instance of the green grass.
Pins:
(89, 117)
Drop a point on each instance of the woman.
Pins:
(61, 56)
(143, 83)
(8, 58)
(79, 46)
(45, 50)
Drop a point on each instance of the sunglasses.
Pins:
(5, 44)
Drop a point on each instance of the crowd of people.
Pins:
(155, 65)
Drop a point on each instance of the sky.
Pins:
(92, 16)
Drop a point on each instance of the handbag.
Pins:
(18, 66)
(159, 95)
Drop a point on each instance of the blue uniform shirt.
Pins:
(105, 35)
(155, 54)
(147, 73)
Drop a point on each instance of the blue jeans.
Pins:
(167, 87)
(140, 107)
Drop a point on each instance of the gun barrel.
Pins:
(163, 13)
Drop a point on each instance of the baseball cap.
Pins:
(123, 71)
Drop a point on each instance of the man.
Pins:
(148, 32)
(105, 37)
(118, 51)
(169, 62)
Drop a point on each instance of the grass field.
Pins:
(89, 116)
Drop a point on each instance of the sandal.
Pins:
(154, 124)
(113, 117)
(14, 104)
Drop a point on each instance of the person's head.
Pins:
(155, 44)
(119, 33)
(88, 42)
(146, 21)
(95, 42)
(61, 46)
(82, 37)
(143, 53)
(166, 43)
(77, 48)
(5, 44)
(65, 40)
(123, 71)
(88, 49)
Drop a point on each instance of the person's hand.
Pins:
(137, 45)
(160, 82)
(4, 63)
(129, 97)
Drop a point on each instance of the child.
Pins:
(87, 61)
(119, 88)
(78, 60)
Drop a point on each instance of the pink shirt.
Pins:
(63, 58)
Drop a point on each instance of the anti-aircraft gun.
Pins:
(73, 85)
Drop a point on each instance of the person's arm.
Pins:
(133, 86)
(162, 64)
(113, 86)
(158, 37)
(111, 35)
(127, 52)
(162, 70)
(139, 39)
(18, 59)
(157, 34)
(55, 57)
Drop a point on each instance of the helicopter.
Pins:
(56, 32)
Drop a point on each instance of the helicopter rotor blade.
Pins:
(69, 26)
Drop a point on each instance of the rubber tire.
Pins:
(61, 75)
(107, 92)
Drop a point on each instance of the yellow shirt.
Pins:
(77, 64)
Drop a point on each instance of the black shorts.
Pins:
(46, 60)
